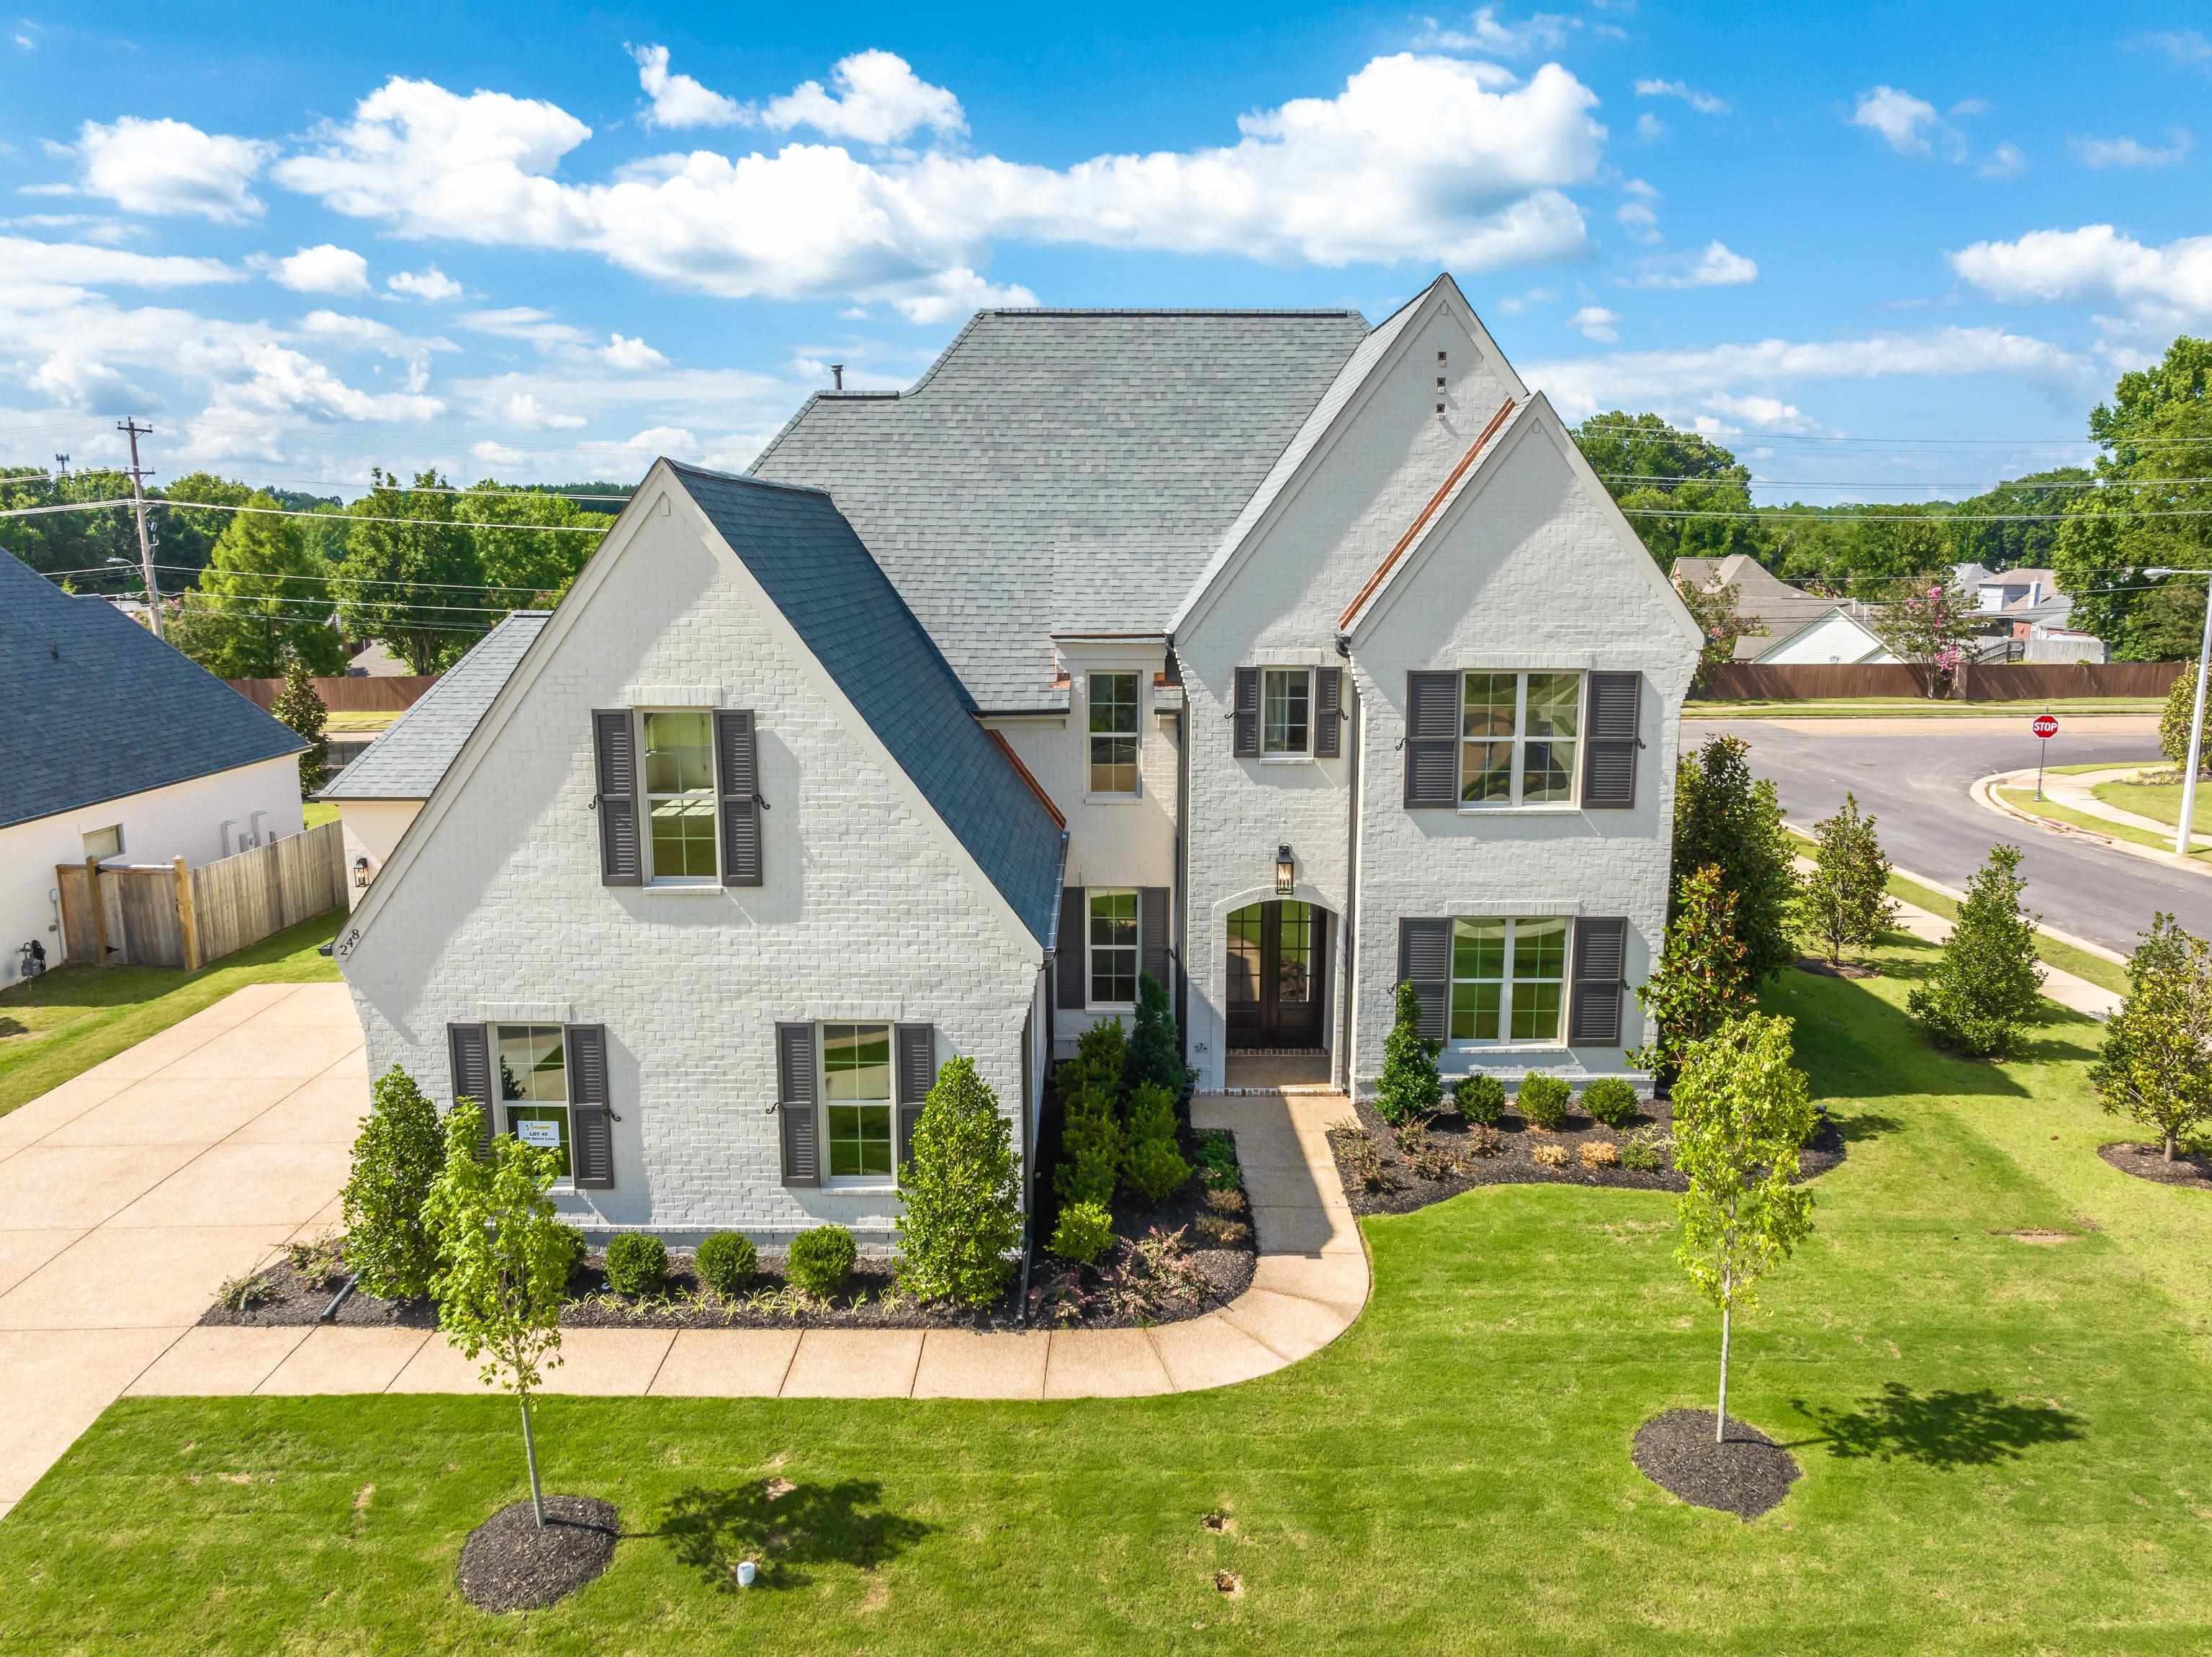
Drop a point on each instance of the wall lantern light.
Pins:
(361, 871)
(1287, 870)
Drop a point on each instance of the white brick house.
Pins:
(1278, 657)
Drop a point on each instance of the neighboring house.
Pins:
(114, 746)
(1843, 632)
(378, 794)
(1279, 657)
(1798, 626)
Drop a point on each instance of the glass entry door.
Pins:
(1275, 956)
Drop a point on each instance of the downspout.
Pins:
(1349, 929)
(1182, 876)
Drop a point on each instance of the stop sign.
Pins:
(2045, 726)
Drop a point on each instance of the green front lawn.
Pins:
(2004, 1448)
(62, 1023)
(2024, 800)
(2159, 802)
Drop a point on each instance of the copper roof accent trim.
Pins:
(1035, 786)
(1421, 521)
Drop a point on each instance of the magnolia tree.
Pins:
(960, 1220)
(2157, 1065)
(1845, 900)
(1929, 623)
(1985, 982)
(1701, 980)
(1742, 1109)
(396, 1159)
(503, 1260)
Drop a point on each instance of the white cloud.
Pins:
(522, 322)
(1514, 304)
(1649, 127)
(1639, 214)
(2005, 162)
(1484, 31)
(499, 455)
(1595, 322)
(24, 260)
(523, 410)
(1764, 413)
(430, 284)
(956, 292)
(2129, 152)
(1705, 103)
(631, 354)
(170, 166)
(2159, 288)
(1902, 119)
(1716, 266)
(2184, 45)
(876, 98)
(323, 269)
(679, 101)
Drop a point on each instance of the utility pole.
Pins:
(138, 474)
(2182, 838)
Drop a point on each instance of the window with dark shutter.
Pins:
(1601, 969)
(614, 744)
(1610, 750)
(916, 1065)
(1153, 932)
(590, 1111)
(802, 1132)
(737, 777)
(1328, 713)
(469, 1048)
(1245, 737)
(1432, 741)
(1074, 932)
(1424, 961)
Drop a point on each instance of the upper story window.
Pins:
(678, 746)
(1113, 948)
(1112, 733)
(1518, 737)
(1509, 980)
(1287, 711)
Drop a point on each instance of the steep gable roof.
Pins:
(97, 708)
(1761, 596)
(1043, 437)
(406, 762)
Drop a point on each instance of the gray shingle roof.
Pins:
(96, 707)
(1040, 437)
(406, 762)
(815, 570)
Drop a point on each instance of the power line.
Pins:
(367, 581)
(1778, 513)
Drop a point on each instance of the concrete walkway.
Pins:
(2065, 791)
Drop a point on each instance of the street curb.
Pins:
(1983, 792)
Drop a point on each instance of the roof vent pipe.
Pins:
(837, 376)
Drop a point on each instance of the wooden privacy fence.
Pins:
(1752, 682)
(168, 914)
(350, 696)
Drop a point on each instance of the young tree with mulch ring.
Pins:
(1409, 1086)
(960, 1216)
(1742, 1109)
(1986, 981)
(396, 1159)
(2157, 1065)
(1725, 818)
(1845, 901)
(1701, 980)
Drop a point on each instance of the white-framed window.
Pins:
(1113, 699)
(678, 747)
(1285, 711)
(533, 1086)
(1519, 734)
(1509, 980)
(1113, 948)
(856, 1101)
(103, 844)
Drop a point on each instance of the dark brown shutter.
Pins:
(916, 1067)
(1431, 740)
(794, 1081)
(1245, 739)
(469, 1048)
(591, 1126)
(1601, 967)
(1153, 932)
(737, 775)
(1424, 961)
(614, 743)
(1329, 712)
(1609, 748)
(1074, 936)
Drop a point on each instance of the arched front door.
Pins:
(1276, 952)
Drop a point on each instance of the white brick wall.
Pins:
(865, 912)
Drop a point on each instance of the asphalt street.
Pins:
(1913, 774)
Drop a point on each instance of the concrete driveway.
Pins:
(128, 1195)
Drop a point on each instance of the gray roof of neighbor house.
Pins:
(1042, 441)
(814, 569)
(1762, 596)
(406, 762)
(96, 708)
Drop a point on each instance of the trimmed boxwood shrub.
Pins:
(821, 1260)
(1084, 1232)
(1480, 1097)
(1610, 1100)
(726, 1263)
(1542, 1101)
(636, 1264)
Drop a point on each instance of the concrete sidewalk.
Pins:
(2060, 791)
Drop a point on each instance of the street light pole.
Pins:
(2181, 838)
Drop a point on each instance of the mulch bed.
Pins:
(510, 1564)
(1819, 968)
(1747, 1474)
(2191, 1168)
(1511, 1164)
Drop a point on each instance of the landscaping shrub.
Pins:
(244, 1294)
(1611, 1101)
(1424, 1159)
(1482, 1140)
(1985, 982)
(726, 1263)
(396, 1159)
(1480, 1097)
(1845, 900)
(961, 1220)
(316, 1261)
(821, 1260)
(1219, 1229)
(1155, 1052)
(2180, 712)
(1542, 1101)
(1151, 1165)
(1089, 1153)
(1703, 978)
(1084, 1232)
(1216, 1161)
(572, 1245)
(1226, 1201)
(1600, 1153)
(1362, 1160)
(1647, 1150)
(1549, 1156)
(1101, 1064)
(1409, 1086)
(2156, 1064)
(1725, 818)
(636, 1264)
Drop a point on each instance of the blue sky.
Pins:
(1861, 242)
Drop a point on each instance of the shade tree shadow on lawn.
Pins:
(1943, 1429)
(784, 1527)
